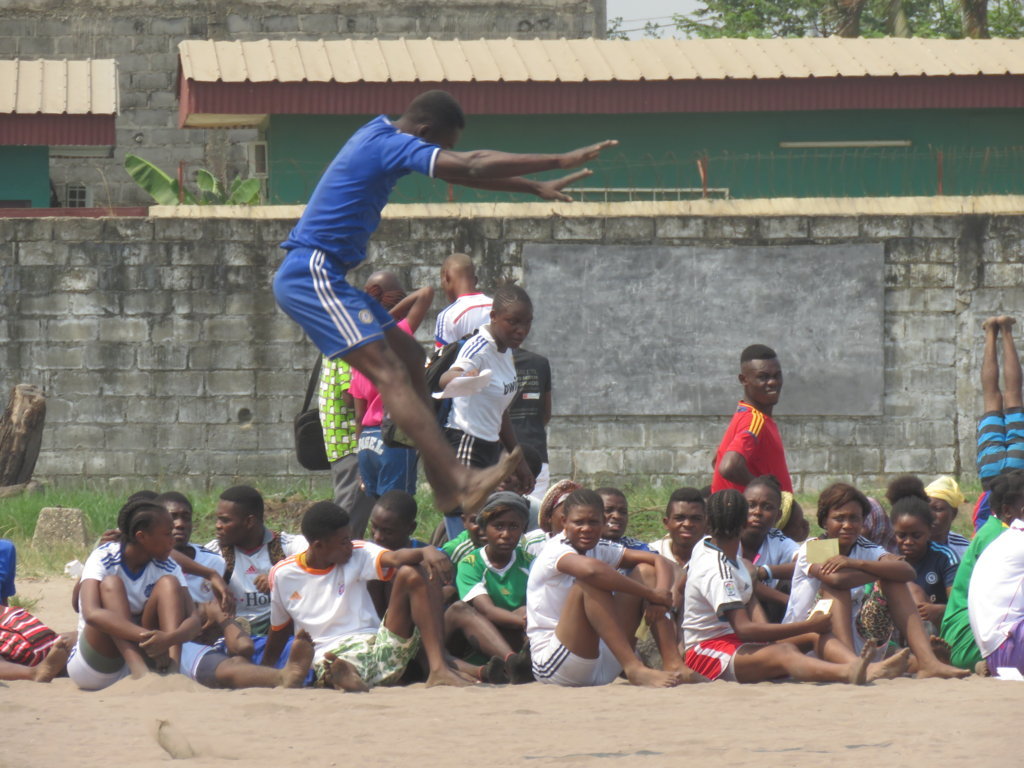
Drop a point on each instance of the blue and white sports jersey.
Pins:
(199, 587)
(776, 549)
(958, 544)
(345, 207)
(105, 561)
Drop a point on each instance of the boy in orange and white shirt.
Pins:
(323, 591)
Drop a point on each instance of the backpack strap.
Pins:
(314, 381)
(228, 553)
(276, 549)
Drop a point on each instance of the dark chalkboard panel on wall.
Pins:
(658, 330)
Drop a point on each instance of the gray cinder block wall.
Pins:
(143, 36)
(164, 358)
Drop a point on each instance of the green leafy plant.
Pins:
(165, 190)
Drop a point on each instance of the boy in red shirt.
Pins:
(752, 445)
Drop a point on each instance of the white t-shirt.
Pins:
(776, 549)
(329, 604)
(548, 588)
(479, 415)
(199, 587)
(714, 584)
(533, 541)
(663, 547)
(995, 598)
(250, 603)
(802, 596)
(105, 561)
(462, 316)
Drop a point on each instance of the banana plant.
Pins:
(165, 191)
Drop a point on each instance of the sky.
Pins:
(635, 12)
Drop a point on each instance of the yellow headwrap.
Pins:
(787, 508)
(946, 488)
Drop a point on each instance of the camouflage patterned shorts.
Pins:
(379, 659)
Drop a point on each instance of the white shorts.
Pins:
(555, 664)
(87, 678)
(191, 655)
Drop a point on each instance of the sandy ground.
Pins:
(890, 723)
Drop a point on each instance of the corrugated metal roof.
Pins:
(45, 87)
(573, 61)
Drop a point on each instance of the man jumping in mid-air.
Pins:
(330, 239)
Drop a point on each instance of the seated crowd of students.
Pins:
(723, 594)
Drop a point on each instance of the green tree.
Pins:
(854, 18)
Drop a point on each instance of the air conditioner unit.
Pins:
(256, 156)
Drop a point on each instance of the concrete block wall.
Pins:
(164, 358)
(143, 36)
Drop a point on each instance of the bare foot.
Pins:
(940, 670)
(495, 672)
(1005, 322)
(482, 482)
(299, 658)
(653, 678)
(858, 672)
(343, 676)
(981, 669)
(893, 667)
(449, 676)
(940, 648)
(990, 324)
(54, 662)
(519, 667)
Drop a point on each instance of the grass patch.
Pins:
(18, 516)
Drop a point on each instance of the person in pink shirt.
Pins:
(384, 468)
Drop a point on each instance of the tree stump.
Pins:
(60, 525)
(21, 433)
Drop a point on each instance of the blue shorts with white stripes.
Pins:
(1000, 442)
(313, 292)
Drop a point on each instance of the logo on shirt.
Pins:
(295, 596)
(365, 316)
(149, 590)
(341, 589)
(932, 577)
(730, 590)
(251, 571)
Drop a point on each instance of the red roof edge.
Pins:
(643, 96)
(50, 130)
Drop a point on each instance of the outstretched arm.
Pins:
(545, 190)
(750, 631)
(485, 164)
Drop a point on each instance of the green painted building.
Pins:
(758, 154)
(70, 106)
(25, 180)
(714, 118)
